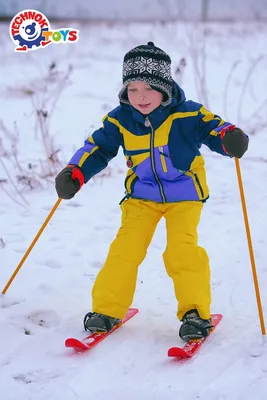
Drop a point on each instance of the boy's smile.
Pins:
(144, 106)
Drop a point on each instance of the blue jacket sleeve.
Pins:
(98, 149)
(210, 127)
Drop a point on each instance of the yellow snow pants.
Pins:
(186, 263)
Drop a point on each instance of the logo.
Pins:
(30, 30)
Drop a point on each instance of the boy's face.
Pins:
(143, 97)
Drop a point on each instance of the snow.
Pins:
(51, 293)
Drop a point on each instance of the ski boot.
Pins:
(99, 323)
(193, 327)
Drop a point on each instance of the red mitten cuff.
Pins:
(77, 174)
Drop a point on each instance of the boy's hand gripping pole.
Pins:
(31, 246)
(252, 259)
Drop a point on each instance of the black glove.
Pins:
(69, 181)
(235, 142)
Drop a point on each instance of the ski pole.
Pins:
(252, 259)
(32, 245)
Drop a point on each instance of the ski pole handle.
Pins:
(31, 246)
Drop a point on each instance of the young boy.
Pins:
(161, 134)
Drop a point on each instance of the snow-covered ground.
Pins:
(48, 299)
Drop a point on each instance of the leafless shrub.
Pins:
(33, 173)
(44, 104)
(257, 119)
(227, 87)
(197, 49)
(3, 181)
(180, 70)
(252, 121)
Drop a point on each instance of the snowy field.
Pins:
(226, 69)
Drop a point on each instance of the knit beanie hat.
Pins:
(150, 64)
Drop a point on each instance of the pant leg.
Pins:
(186, 262)
(115, 284)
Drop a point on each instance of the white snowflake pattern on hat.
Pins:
(139, 65)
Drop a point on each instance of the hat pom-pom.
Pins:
(151, 44)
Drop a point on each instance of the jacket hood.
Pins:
(178, 95)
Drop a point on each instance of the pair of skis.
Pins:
(187, 351)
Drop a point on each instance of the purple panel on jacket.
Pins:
(145, 173)
(162, 155)
(88, 147)
(176, 185)
(180, 190)
(219, 128)
(147, 191)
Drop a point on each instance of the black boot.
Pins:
(99, 323)
(193, 327)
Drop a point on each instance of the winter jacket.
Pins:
(161, 149)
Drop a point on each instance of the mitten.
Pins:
(69, 181)
(235, 141)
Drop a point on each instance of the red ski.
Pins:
(191, 347)
(92, 340)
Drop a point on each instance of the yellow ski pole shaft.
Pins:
(31, 246)
(251, 253)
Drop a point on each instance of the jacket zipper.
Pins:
(198, 182)
(152, 158)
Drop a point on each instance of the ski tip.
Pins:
(75, 344)
(216, 317)
(178, 352)
(133, 310)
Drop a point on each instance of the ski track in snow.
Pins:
(48, 299)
